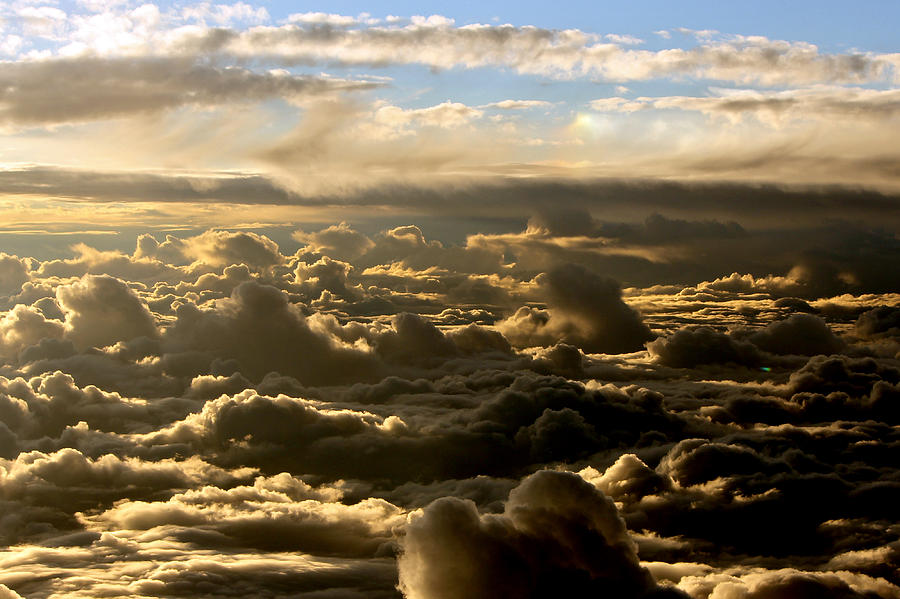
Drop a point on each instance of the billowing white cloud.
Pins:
(101, 310)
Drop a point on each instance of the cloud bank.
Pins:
(386, 415)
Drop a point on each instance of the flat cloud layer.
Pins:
(386, 415)
(334, 103)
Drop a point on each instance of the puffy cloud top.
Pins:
(101, 310)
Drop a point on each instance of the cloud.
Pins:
(264, 420)
(325, 275)
(446, 114)
(170, 81)
(89, 260)
(586, 310)
(275, 513)
(752, 206)
(532, 50)
(695, 461)
(557, 534)
(45, 406)
(517, 104)
(122, 186)
(776, 107)
(24, 327)
(825, 374)
(761, 584)
(13, 273)
(437, 42)
(7, 593)
(259, 329)
(337, 241)
(802, 334)
(101, 310)
(340, 426)
(799, 334)
(42, 492)
(628, 478)
(504, 371)
(883, 321)
(83, 89)
(222, 248)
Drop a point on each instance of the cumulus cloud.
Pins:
(690, 347)
(325, 275)
(799, 334)
(586, 310)
(13, 272)
(101, 310)
(802, 334)
(337, 241)
(263, 332)
(628, 478)
(557, 534)
(278, 512)
(759, 583)
(23, 327)
(505, 371)
(223, 248)
(883, 321)
(346, 424)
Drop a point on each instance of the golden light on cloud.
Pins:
(522, 304)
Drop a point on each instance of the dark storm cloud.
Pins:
(488, 493)
(808, 260)
(657, 229)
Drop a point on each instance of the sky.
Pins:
(147, 114)
(431, 301)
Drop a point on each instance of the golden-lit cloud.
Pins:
(366, 305)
